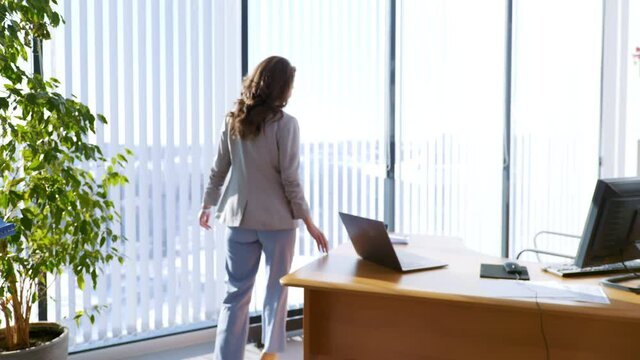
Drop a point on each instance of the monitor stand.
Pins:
(614, 282)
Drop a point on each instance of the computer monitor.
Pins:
(612, 231)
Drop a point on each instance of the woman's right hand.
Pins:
(203, 218)
(317, 235)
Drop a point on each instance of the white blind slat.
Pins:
(158, 189)
(182, 166)
(130, 209)
(196, 170)
(116, 268)
(326, 178)
(317, 183)
(335, 192)
(171, 193)
(209, 143)
(102, 321)
(144, 206)
(310, 175)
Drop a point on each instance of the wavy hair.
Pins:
(264, 93)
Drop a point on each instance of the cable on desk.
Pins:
(544, 336)
(625, 265)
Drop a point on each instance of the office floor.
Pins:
(293, 351)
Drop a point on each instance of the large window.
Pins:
(148, 66)
(632, 126)
(450, 119)
(340, 51)
(165, 72)
(555, 119)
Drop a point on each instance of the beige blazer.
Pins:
(264, 190)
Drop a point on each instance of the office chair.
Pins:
(545, 252)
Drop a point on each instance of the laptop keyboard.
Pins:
(409, 260)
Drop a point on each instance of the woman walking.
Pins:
(260, 205)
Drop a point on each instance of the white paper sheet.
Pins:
(544, 290)
(575, 292)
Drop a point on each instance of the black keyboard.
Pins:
(570, 270)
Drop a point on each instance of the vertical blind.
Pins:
(632, 126)
(340, 51)
(149, 67)
(165, 72)
(450, 119)
(555, 121)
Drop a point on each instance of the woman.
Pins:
(260, 204)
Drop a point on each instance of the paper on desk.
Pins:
(575, 292)
(546, 290)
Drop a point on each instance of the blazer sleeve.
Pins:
(288, 139)
(219, 171)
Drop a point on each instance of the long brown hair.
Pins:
(264, 93)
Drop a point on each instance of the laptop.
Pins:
(371, 241)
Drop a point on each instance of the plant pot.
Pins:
(54, 343)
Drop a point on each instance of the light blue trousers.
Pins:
(244, 248)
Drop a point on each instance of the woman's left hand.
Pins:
(317, 235)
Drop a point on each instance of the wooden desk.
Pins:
(358, 310)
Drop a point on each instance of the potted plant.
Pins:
(60, 208)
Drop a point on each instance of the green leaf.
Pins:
(80, 282)
(15, 182)
(4, 103)
(78, 316)
(26, 222)
(94, 278)
(55, 19)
